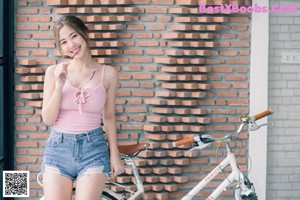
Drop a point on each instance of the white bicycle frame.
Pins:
(234, 175)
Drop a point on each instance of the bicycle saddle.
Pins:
(132, 149)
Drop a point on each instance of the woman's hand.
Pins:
(117, 167)
(60, 74)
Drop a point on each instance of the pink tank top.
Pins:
(81, 108)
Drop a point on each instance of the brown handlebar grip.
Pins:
(184, 141)
(262, 114)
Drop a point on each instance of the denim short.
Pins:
(74, 155)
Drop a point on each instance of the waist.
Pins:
(79, 136)
(72, 122)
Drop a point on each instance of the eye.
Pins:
(63, 43)
(74, 36)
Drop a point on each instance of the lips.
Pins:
(75, 51)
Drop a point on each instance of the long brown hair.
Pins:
(74, 22)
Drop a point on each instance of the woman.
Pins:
(76, 94)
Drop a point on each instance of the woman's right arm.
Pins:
(53, 85)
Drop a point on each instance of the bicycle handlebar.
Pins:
(193, 139)
(262, 114)
(187, 140)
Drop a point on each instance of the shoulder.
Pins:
(110, 72)
(110, 77)
(50, 69)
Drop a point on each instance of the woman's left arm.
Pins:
(109, 119)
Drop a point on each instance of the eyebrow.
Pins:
(69, 36)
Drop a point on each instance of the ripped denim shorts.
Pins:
(74, 155)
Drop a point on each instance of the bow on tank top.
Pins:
(81, 108)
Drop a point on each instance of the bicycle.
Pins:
(244, 189)
(127, 153)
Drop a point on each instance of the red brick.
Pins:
(21, 152)
(162, 110)
(181, 161)
(171, 188)
(182, 111)
(239, 28)
(185, 19)
(154, 52)
(156, 10)
(155, 101)
(56, 2)
(142, 76)
(27, 44)
(40, 19)
(172, 85)
(39, 52)
(174, 170)
(143, 35)
(160, 154)
(160, 170)
(143, 93)
(26, 128)
(133, 52)
(22, 19)
(180, 27)
(163, 2)
(22, 87)
(165, 19)
(240, 44)
(135, 27)
(157, 28)
(22, 53)
(46, 44)
(35, 152)
(186, 2)
(228, 53)
(157, 137)
(149, 43)
(29, 95)
(162, 196)
(140, 2)
(26, 160)
(180, 179)
(27, 144)
(179, 10)
(22, 3)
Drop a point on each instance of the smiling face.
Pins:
(71, 36)
(71, 42)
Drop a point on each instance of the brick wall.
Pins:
(284, 98)
(180, 73)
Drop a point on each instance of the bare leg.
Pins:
(56, 186)
(90, 186)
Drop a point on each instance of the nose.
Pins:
(71, 44)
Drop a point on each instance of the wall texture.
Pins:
(284, 98)
(180, 73)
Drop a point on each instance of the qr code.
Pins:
(16, 183)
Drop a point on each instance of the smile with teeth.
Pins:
(76, 51)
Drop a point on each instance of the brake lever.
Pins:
(201, 145)
(254, 126)
(193, 149)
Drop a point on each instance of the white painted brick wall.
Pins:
(283, 174)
